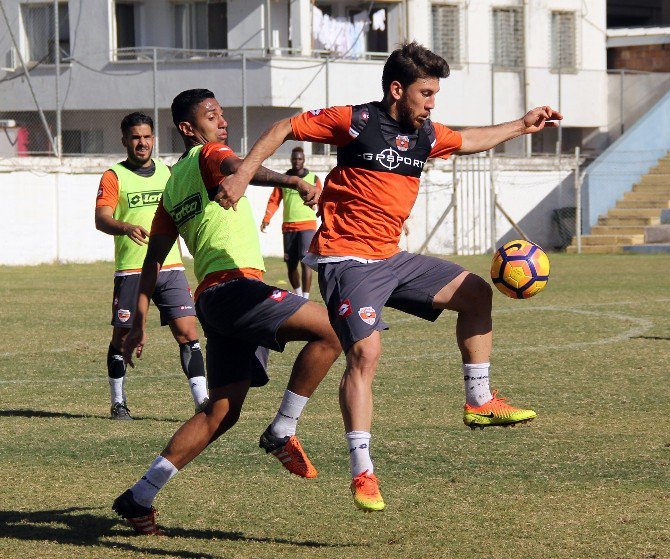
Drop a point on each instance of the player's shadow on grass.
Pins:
(66, 415)
(80, 526)
(650, 338)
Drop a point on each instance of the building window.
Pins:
(563, 41)
(82, 141)
(38, 27)
(201, 25)
(125, 19)
(508, 38)
(447, 32)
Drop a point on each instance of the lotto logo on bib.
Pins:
(123, 315)
(368, 315)
(278, 295)
(344, 310)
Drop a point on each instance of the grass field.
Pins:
(589, 478)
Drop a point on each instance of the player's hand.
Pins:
(231, 189)
(138, 234)
(134, 342)
(264, 226)
(540, 118)
(308, 192)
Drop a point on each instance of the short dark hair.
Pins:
(184, 104)
(135, 119)
(411, 62)
(297, 149)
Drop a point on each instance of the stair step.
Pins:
(646, 195)
(612, 239)
(617, 230)
(655, 179)
(635, 204)
(657, 234)
(635, 212)
(628, 221)
(596, 249)
(658, 189)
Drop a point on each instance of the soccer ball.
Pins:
(520, 269)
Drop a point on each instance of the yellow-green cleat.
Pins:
(495, 412)
(365, 489)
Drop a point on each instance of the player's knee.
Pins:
(479, 293)
(364, 355)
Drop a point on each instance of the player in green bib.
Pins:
(299, 224)
(127, 199)
(242, 317)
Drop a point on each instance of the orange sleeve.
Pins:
(447, 141)
(211, 156)
(327, 126)
(108, 192)
(273, 204)
(163, 224)
(318, 184)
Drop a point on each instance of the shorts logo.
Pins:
(365, 115)
(313, 113)
(190, 293)
(402, 142)
(344, 310)
(184, 308)
(278, 295)
(123, 315)
(187, 209)
(140, 199)
(368, 315)
(116, 301)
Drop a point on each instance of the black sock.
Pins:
(116, 368)
(191, 359)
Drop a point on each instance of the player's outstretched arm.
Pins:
(157, 251)
(105, 222)
(487, 137)
(234, 186)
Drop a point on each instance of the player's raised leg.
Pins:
(471, 297)
(309, 323)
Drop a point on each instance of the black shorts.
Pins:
(296, 244)
(355, 292)
(240, 319)
(172, 296)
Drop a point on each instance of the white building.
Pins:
(267, 59)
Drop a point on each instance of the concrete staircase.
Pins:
(637, 213)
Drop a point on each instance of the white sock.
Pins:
(158, 474)
(123, 388)
(359, 452)
(116, 389)
(476, 377)
(198, 389)
(286, 420)
(305, 294)
(298, 291)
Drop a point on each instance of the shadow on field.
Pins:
(81, 527)
(649, 338)
(65, 415)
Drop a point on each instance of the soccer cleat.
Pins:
(365, 489)
(289, 452)
(120, 411)
(201, 406)
(142, 519)
(495, 412)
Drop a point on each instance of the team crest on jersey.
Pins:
(123, 314)
(344, 310)
(368, 315)
(278, 295)
(402, 142)
(314, 112)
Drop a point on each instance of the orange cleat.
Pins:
(365, 489)
(289, 452)
(495, 412)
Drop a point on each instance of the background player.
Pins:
(382, 148)
(127, 200)
(242, 317)
(298, 226)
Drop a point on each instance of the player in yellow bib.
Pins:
(299, 223)
(127, 199)
(242, 317)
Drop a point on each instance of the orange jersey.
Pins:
(363, 210)
(211, 156)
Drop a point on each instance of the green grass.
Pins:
(589, 478)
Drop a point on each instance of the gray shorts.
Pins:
(355, 293)
(296, 244)
(240, 319)
(172, 296)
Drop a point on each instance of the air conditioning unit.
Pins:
(7, 123)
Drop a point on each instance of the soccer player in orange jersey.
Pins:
(382, 149)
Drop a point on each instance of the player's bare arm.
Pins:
(157, 251)
(487, 137)
(233, 187)
(105, 222)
